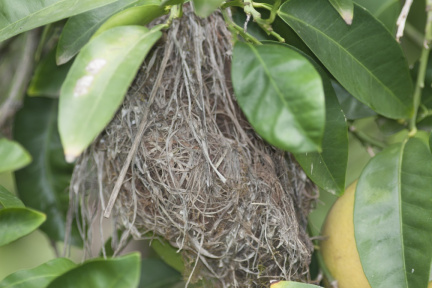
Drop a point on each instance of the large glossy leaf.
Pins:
(48, 77)
(204, 8)
(38, 277)
(80, 28)
(345, 8)
(290, 284)
(392, 213)
(8, 200)
(121, 272)
(16, 222)
(352, 108)
(387, 11)
(97, 83)
(12, 155)
(363, 57)
(157, 274)
(18, 16)
(328, 168)
(43, 185)
(281, 94)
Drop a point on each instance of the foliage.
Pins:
(340, 65)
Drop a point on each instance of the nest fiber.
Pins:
(201, 178)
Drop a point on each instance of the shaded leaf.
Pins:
(430, 146)
(388, 126)
(38, 277)
(43, 185)
(156, 274)
(17, 222)
(345, 8)
(80, 28)
(8, 200)
(121, 272)
(392, 216)
(328, 168)
(203, 8)
(370, 63)
(290, 284)
(48, 77)
(281, 94)
(387, 11)
(97, 82)
(171, 2)
(168, 254)
(21, 15)
(13, 156)
(352, 108)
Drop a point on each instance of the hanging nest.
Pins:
(234, 206)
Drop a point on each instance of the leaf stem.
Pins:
(237, 30)
(422, 69)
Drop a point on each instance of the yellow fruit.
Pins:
(339, 249)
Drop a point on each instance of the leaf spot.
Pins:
(82, 86)
(95, 65)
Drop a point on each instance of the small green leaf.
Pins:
(13, 156)
(392, 216)
(121, 272)
(345, 8)
(155, 273)
(370, 63)
(281, 94)
(328, 168)
(8, 200)
(203, 8)
(290, 284)
(97, 82)
(352, 108)
(80, 28)
(38, 277)
(43, 185)
(18, 16)
(17, 222)
(168, 254)
(48, 77)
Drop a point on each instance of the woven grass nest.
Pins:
(234, 206)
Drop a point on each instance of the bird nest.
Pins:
(201, 178)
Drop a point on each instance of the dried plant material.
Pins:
(201, 178)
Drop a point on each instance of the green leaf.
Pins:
(18, 16)
(392, 213)
(156, 274)
(352, 108)
(168, 254)
(388, 126)
(13, 156)
(281, 94)
(290, 284)
(387, 11)
(430, 142)
(345, 8)
(369, 64)
(80, 28)
(142, 14)
(38, 277)
(97, 82)
(43, 185)
(8, 200)
(17, 222)
(48, 77)
(121, 272)
(328, 168)
(171, 2)
(203, 8)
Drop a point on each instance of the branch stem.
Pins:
(422, 69)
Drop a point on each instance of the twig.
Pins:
(137, 139)
(422, 69)
(402, 19)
